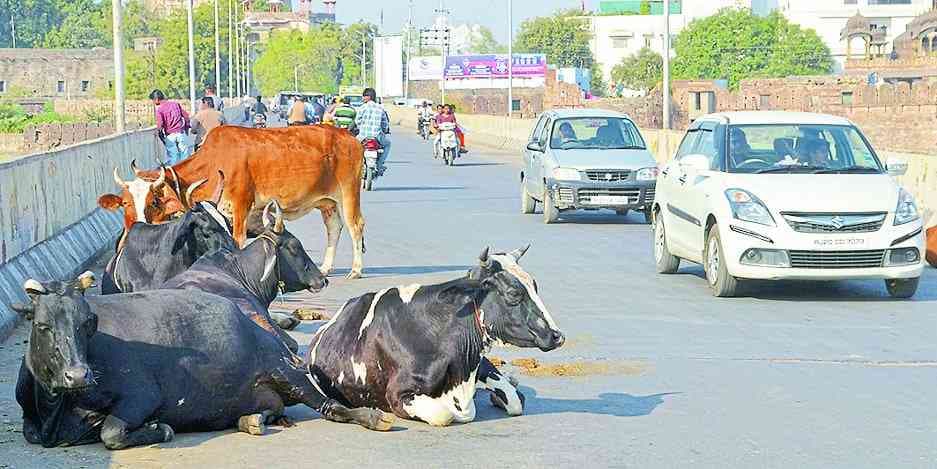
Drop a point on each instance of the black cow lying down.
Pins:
(417, 351)
(252, 277)
(132, 369)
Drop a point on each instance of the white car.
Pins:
(785, 195)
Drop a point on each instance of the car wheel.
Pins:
(550, 213)
(721, 283)
(667, 263)
(902, 287)
(622, 212)
(528, 204)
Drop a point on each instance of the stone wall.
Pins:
(102, 110)
(51, 136)
(57, 73)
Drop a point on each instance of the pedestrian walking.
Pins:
(172, 123)
(206, 119)
(218, 103)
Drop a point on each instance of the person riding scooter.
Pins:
(448, 116)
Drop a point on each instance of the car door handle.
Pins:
(682, 179)
(664, 171)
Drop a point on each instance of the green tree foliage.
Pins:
(645, 7)
(597, 81)
(85, 25)
(14, 120)
(640, 71)
(563, 37)
(486, 43)
(735, 44)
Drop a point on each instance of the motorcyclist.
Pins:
(258, 107)
(344, 116)
(372, 122)
(424, 116)
(448, 116)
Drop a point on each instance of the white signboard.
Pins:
(388, 66)
(425, 68)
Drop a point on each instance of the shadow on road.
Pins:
(477, 164)
(614, 404)
(600, 218)
(405, 270)
(418, 188)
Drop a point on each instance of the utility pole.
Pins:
(217, 52)
(444, 14)
(406, 67)
(510, 62)
(188, 5)
(247, 67)
(119, 113)
(364, 59)
(13, 29)
(230, 51)
(237, 50)
(666, 57)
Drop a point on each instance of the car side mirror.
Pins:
(896, 167)
(695, 162)
(534, 146)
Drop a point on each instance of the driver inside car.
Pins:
(566, 134)
(814, 152)
(739, 147)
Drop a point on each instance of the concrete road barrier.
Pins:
(50, 224)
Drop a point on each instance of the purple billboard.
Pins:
(495, 66)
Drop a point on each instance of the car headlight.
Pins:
(647, 174)
(906, 211)
(747, 207)
(566, 174)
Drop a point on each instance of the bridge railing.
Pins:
(50, 224)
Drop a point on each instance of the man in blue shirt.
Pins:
(372, 122)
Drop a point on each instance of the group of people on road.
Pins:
(443, 113)
(173, 123)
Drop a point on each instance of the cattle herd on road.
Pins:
(182, 338)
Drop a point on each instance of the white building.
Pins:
(617, 37)
(829, 17)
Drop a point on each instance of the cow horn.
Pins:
(265, 217)
(191, 190)
(33, 286)
(85, 281)
(120, 182)
(484, 259)
(269, 263)
(219, 189)
(517, 254)
(134, 168)
(277, 218)
(175, 180)
(158, 183)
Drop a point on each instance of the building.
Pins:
(166, 7)
(911, 57)
(56, 73)
(615, 37)
(881, 20)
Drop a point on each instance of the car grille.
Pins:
(615, 175)
(565, 195)
(837, 259)
(835, 223)
(586, 195)
(649, 195)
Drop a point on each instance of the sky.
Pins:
(490, 13)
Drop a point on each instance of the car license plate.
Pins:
(839, 242)
(608, 200)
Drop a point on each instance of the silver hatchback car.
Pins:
(587, 159)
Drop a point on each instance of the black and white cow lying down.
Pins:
(252, 277)
(417, 351)
(131, 369)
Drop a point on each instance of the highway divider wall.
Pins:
(50, 224)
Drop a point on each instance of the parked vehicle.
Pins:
(448, 143)
(587, 159)
(782, 195)
(372, 150)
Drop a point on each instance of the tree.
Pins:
(485, 43)
(33, 19)
(735, 44)
(645, 7)
(597, 81)
(640, 71)
(83, 26)
(563, 37)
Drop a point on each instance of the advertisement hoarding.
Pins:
(388, 66)
(425, 68)
(495, 66)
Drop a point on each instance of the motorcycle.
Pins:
(260, 120)
(424, 128)
(372, 151)
(448, 143)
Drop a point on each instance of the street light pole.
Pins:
(247, 67)
(510, 61)
(406, 88)
(217, 52)
(119, 114)
(13, 29)
(237, 50)
(230, 51)
(188, 5)
(364, 60)
(666, 57)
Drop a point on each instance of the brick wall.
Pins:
(138, 111)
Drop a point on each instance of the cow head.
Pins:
(144, 200)
(515, 313)
(293, 267)
(62, 326)
(204, 230)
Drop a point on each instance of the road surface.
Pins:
(792, 375)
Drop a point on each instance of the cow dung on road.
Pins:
(311, 314)
(533, 367)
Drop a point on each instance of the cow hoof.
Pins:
(353, 275)
(374, 419)
(168, 432)
(252, 424)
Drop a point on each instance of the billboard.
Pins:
(388, 65)
(495, 66)
(425, 68)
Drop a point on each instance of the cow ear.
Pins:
(110, 202)
(28, 311)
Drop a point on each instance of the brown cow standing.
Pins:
(302, 167)
(931, 246)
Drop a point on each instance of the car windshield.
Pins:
(792, 148)
(595, 133)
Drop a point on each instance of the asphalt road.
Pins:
(792, 375)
